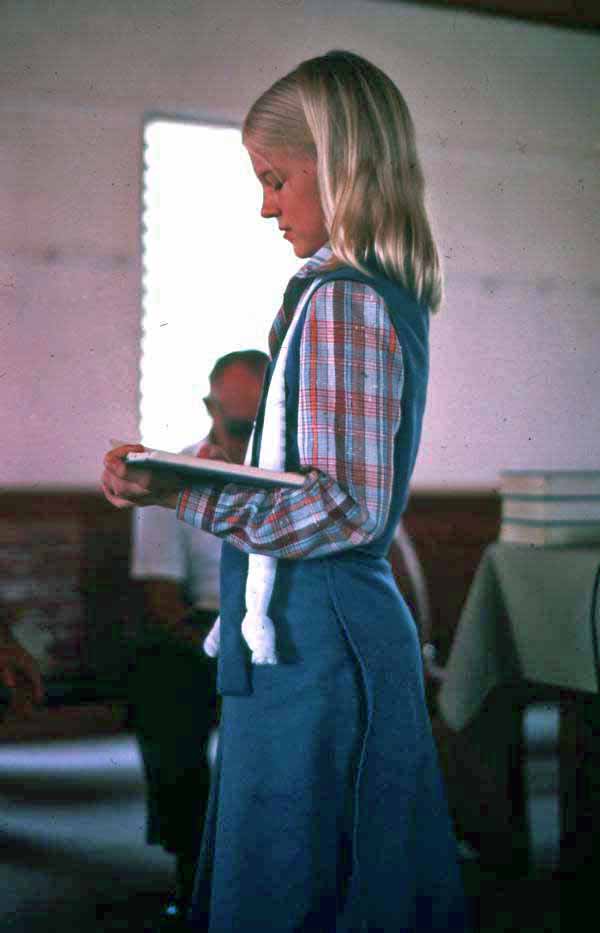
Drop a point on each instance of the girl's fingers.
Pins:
(114, 457)
(117, 498)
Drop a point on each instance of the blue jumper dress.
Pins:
(327, 812)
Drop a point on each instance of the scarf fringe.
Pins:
(212, 642)
(258, 629)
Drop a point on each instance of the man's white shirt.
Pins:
(164, 548)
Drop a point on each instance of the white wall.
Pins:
(509, 130)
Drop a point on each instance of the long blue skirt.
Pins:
(327, 811)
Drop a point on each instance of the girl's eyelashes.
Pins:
(272, 181)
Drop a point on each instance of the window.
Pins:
(213, 271)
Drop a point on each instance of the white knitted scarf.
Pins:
(257, 627)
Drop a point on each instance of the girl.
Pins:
(326, 812)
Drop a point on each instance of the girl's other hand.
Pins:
(125, 486)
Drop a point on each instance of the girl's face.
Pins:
(291, 194)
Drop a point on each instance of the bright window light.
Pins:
(214, 271)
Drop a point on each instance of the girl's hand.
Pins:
(125, 486)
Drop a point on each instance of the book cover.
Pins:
(199, 470)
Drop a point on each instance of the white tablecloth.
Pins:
(532, 613)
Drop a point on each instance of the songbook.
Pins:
(199, 470)
(563, 483)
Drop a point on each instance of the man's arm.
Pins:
(159, 566)
(164, 606)
(163, 601)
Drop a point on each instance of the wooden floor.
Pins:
(73, 855)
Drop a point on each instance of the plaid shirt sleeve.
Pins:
(351, 377)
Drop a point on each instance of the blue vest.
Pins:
(411, 322)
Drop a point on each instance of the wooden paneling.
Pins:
(64, 586)
(64, 581)
(450, 531)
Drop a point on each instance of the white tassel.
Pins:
(212, 641)
(259, 633)
(257, 628)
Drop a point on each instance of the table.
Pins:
(532, 616)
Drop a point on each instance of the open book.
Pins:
(199, 470)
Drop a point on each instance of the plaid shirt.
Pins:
(351, 377)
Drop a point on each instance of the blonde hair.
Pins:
(347, 114)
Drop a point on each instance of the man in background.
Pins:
(172, 685)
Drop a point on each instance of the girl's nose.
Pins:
(269, 205)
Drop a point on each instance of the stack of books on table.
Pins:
(550, 507)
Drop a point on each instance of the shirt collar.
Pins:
(312, 265)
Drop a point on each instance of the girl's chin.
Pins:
(304, 249)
